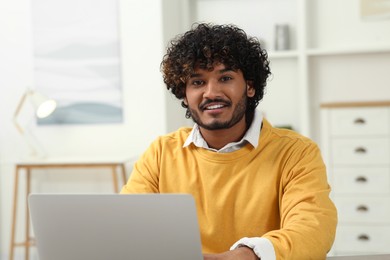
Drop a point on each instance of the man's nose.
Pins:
(213, 90)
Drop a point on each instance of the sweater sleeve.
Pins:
(144, 177)
(308, 216)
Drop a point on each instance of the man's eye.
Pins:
(226, 78)
(197, 82)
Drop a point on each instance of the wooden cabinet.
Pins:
(356, 147)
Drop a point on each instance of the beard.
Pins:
(238, 114)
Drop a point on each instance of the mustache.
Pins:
(216, 100)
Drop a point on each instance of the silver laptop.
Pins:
(115, 227)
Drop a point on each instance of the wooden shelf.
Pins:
(356, 104)
(348, 50)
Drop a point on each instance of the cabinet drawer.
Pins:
(368, 180)
(364, 239)
(363, 209)
(359, 121)
(359, 151)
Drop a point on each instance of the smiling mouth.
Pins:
(214, 105)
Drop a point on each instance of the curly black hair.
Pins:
(203, 46)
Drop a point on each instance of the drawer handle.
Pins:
(362, 208)
(359, 121)
(363, 237)
(361, 179)
(360, 150)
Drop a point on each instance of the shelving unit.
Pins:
(323, 39)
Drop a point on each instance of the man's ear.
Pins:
(250, 90)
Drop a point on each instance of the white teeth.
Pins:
(214, 107)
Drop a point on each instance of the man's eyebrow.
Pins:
(194, 75)
(227, 70)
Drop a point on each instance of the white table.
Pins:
(113, 164)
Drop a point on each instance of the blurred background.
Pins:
(103, 57)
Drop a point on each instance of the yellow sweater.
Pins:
(278, 190)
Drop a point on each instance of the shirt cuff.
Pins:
(261, 246)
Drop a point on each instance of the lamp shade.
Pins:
(43, 105)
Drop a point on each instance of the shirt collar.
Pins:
(252, 135)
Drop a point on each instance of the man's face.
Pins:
(217, 99)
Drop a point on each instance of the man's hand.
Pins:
(241, 253)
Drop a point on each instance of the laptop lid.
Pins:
(115, 227)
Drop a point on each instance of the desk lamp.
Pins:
(43, 107)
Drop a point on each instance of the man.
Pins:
(261, 192)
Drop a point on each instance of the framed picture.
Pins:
(77, 59)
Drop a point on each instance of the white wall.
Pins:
(143, 93)
(177, 17)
